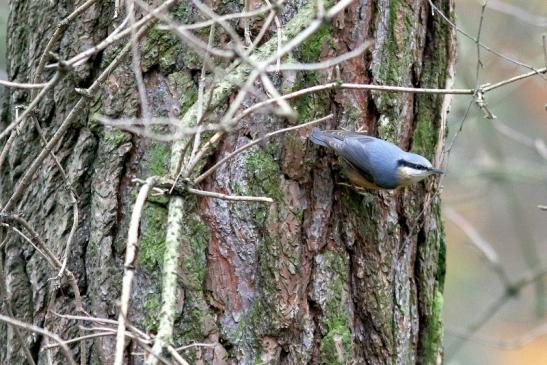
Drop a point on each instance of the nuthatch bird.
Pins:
(374, 163)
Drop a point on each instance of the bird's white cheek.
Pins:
(409, 176)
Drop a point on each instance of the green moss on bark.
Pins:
(116, 137)
(336, 344)
(152, 243)
(392, 64)
(152, 307)
(161, 48)
(159, 159)
(195, 266)
(431, 273)
(195, 322)
(185, 88)
(263, 173)
(311, 106)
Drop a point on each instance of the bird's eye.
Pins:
(412, 165)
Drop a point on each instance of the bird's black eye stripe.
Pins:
(412, 165)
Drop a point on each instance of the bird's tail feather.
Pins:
(318, 137)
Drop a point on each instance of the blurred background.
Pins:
(497, 177)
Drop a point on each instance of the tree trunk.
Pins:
(323, 275)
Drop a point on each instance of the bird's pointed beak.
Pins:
(436, 171)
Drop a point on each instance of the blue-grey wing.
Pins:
(357, 151)
(351, 146)
(336, 139)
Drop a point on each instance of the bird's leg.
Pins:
(359, 190)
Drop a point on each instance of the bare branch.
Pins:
(135, 61)
(50, 84)
(323, 64)
(61, 27)
(117, 35)
(539, 71)
(65, 125)
(41, 247)
(218, 18)
(256, 141)
(19, 85)
(484, 247)
(129, 266)
(176, 356)
(211, 194)
(31, 328)
(140, 127)
(467, 35)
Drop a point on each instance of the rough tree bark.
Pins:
(324, 275)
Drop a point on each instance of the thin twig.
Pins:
(484, 247)
(75, 220)
(25, 181)
(261, 33)
(133, 125)
(279, 35)
(207, 173)
(31, 328)
(539, 71)
(245, 23)
(199, 155)
(61, 27)
(136, 61)
(8, 307)
(510, 291)
(211, 194)
(74, 201)
(323, 64)
(195, 344)
(200, 102)
(231, 16)
(129, 266)
(37, 242)
(258, 70)
(20, 85)
(82, 338)
(467, 35)
(50, 84)
(177, 356)
(144, 22)
(477, 42)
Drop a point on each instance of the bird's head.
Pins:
(413, 168)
